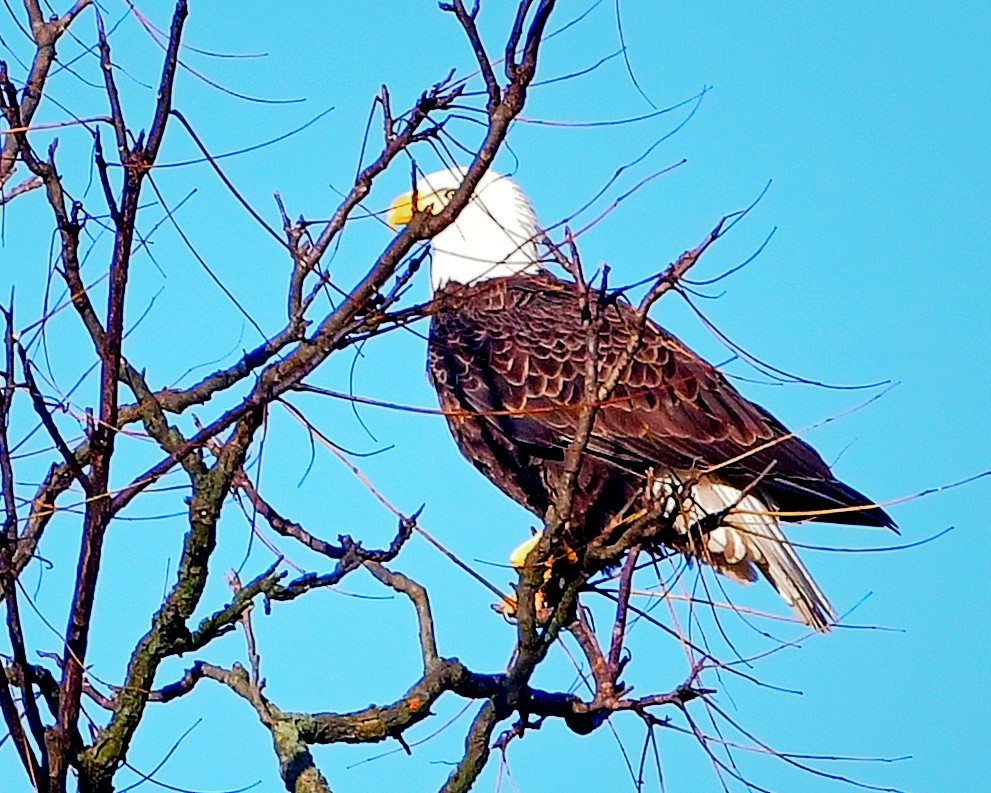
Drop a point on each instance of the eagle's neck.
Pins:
(494, 236)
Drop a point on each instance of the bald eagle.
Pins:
(508, 353)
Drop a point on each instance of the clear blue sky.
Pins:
(871, 121)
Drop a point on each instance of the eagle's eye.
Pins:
(447, 194)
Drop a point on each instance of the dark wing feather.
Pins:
(516, 352)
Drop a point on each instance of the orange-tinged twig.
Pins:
(425, 411)
(56, 125)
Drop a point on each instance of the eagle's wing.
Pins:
(519, 351)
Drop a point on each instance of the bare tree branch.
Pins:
(221, 457)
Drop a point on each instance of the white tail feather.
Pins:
(749, 536)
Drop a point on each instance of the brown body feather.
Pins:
(508, 359)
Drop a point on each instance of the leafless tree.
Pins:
(43, 702)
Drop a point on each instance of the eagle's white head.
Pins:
(494, 235)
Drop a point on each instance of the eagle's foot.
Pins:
(508, 605)
(517, 559)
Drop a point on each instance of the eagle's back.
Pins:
(509, 357)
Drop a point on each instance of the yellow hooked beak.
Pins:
(401, 209)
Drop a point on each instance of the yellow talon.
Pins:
(518, 560)
(518, 557)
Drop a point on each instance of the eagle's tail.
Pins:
(750, 537)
